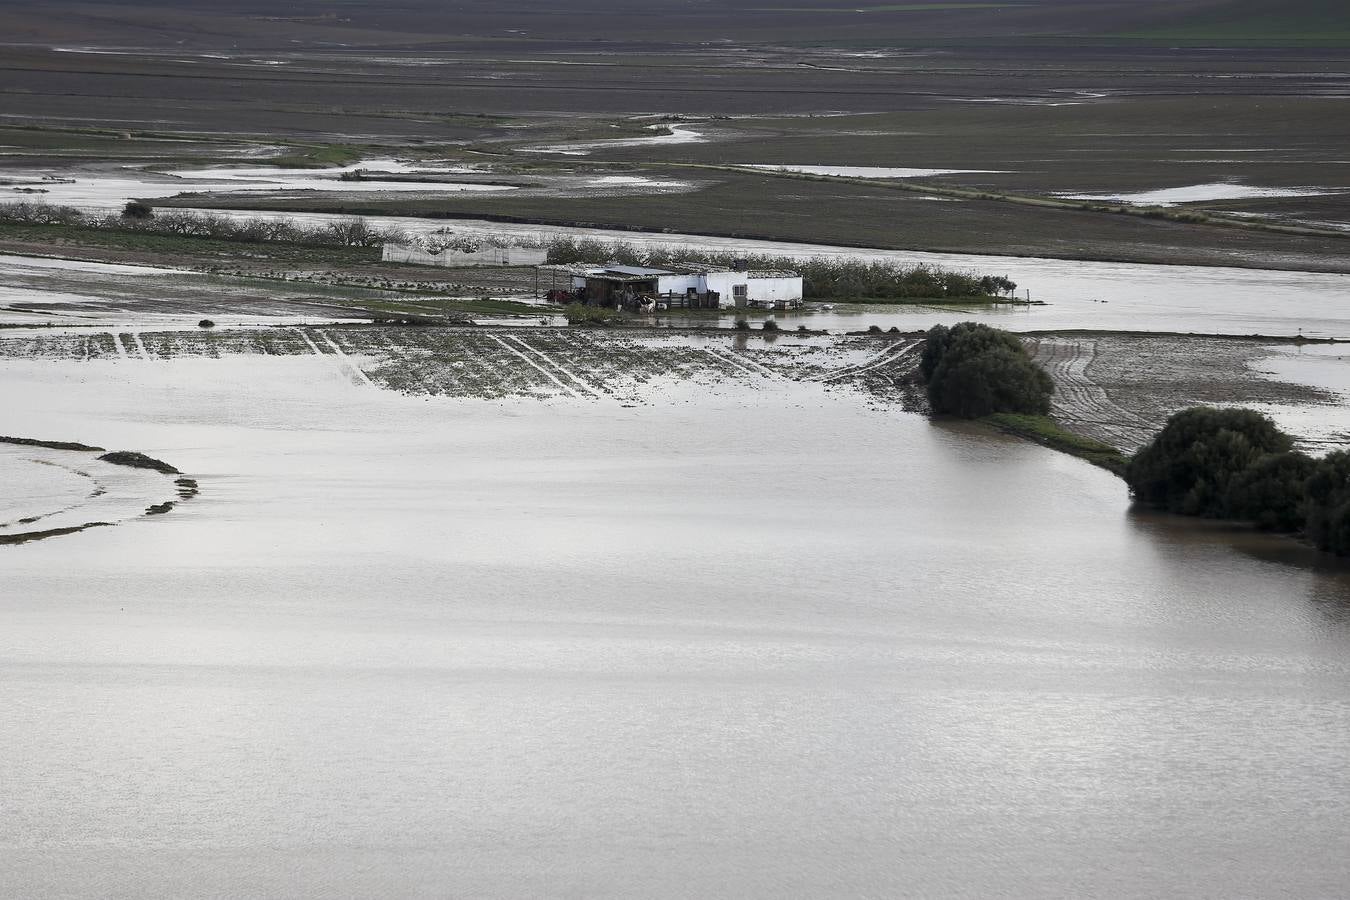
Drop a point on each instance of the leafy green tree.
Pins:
(974, 370)
(1272, 492)
(1328, 503)
(1190, 465)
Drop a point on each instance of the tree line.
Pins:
(138, 217)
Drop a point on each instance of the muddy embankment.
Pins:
(66, 487)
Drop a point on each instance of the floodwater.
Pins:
(1197, 193)
(36, 290)
(1077, 293)
(105, 191)
(673, 134)
(764, 642)
(870, 171)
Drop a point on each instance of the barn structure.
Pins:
(688, 286)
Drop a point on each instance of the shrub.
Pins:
(206, 323)
(24, 213)
(135, 209)
(1327, 495)
(742, 325)
(581, 314)
(1271, 493)
(1191, 465)
(974, 370)
(769, 325)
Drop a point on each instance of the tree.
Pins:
(1191, 464)
(1272, 493)
(974, 370)
(1328, 503)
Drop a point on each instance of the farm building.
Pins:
(484, 256)
(693, 286)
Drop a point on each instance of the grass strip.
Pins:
(1049, 433)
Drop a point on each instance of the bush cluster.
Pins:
(973, 370)
(1236, 464)
(822, 277)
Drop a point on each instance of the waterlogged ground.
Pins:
(35, 290)
(499, 363)
(760, 640)
(1119, 389)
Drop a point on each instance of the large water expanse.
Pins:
(755, 643)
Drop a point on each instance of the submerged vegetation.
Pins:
(137, 460)
(585, 314)
(1236, 464)
(974, 370)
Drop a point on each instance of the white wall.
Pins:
(678, 284)
(776, 288)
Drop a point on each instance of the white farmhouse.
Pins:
(693, 286)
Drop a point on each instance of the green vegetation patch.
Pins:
(973, 371)
(322, 156)
(1235, 464)
(1256, 22)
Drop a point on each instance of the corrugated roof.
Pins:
(638, 271)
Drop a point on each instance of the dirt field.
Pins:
(1120, 389)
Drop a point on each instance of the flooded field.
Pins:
(444, 609)
(1079, 294)
(1119, 389)
(34, 290)
(512, 646)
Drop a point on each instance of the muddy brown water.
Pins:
(745, 643)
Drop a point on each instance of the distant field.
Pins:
(426, 24)
(1259, 22)
(1043, 97)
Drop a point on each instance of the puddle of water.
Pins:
(110, 192)
(1325, 366)
(679, 134)
(636, 181)
(1199, 193)
(872, 171)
